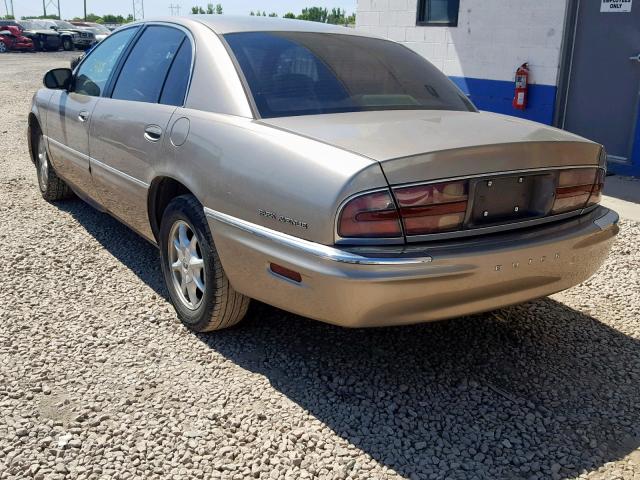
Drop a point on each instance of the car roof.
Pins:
(223, 24)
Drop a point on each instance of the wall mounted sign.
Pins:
(615, 6)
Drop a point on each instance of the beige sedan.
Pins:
(326, 172)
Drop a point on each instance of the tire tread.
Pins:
(227, 307)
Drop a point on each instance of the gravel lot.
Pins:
(99, 380)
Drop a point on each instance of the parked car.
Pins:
(11, 38)
(73, 36)
(101, 32)
(335, 175)
(43, 37)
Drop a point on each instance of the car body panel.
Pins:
(215, 85)
(387, 135)
(123, 159)
(461, 278)
(68, 137)
(268, 176)
(272, 190)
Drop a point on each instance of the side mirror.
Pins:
(58, 79)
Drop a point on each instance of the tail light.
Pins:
(577, 188)
(442, 207)
(372, 215)
(433, 208)
(596, 193)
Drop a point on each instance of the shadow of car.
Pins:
(538, 390)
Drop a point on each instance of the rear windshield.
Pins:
(296, 73)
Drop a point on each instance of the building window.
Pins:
(438, 13)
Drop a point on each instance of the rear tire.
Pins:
(52, 187)
(67, 44)
(198, 286)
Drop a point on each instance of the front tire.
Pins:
(198, 286)
(52, 187)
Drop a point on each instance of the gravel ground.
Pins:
(99, 380)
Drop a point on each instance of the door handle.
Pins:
(152, 133)
(83, 115)
(636, 58)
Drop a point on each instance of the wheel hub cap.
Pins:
(186, 264)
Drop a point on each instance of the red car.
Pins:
(11, 38)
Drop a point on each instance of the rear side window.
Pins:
(307, 73)
(175, 86)
(93, 73)
(145, 70)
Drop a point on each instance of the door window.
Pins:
(93, 73)
(175, 87)
(145, 70)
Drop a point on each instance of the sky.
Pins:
(73, 8)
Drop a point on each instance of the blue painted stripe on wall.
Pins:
(497, 95)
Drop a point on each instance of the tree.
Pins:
(252, 13)
(41, 17)
(219, 9)
(314, 14)
(194, 10)
(289, 15)
(119, 19)
(273, 14)
(264, 14)
(209, 8)
(336, 17)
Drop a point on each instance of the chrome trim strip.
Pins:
(92, 161)
(305, 246)
(67, 149)
(491, 174)
(117, 172)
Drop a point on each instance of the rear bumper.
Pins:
(411, 284)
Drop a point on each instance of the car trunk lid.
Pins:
(511, 167)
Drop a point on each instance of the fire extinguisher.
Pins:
(522, 78)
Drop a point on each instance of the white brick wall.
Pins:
(492, 39)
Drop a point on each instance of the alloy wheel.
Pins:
(186, 264)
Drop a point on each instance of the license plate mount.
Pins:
(506, 199)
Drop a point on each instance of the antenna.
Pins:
(138, 9)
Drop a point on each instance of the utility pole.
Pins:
(175, 9)
(138, 9)
(12, 13)
(85, 10)
(51, 3)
